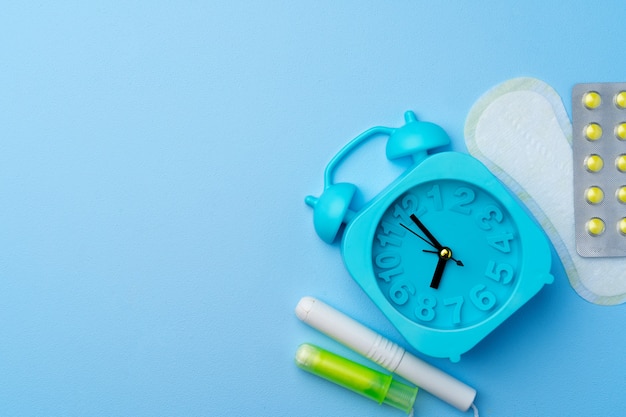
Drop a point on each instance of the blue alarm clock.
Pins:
(444, 251)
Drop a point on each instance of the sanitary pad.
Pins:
(521, 132)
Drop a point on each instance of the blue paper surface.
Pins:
(154, 158)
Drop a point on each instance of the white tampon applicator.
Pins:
(385, 353)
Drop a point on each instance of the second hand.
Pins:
(424, 239)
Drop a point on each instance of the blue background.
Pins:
(154, 158)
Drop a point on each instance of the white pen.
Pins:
(385, 353)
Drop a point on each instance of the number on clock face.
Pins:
(482, 239)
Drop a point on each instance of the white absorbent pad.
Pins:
(521, 132)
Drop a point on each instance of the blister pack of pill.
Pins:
(599, 150)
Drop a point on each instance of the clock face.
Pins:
(446, 254)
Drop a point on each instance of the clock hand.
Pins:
(441, 264)
(459, 263)
(438, 251)
(443, 252)
(429, 235)
(412, 231)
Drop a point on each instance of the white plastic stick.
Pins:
(384, 352)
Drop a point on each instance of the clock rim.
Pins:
(533, 275)
(518, 265)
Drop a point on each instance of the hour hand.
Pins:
(424, 230)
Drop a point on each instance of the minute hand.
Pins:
(429, 235)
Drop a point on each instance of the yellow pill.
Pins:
(620, 99)
(620, 163)
(621, 226)
(594, 195)
(620, 131)
(621, 194)
(594, 163)
(593, 131)
(592, 100)
(595, 226)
